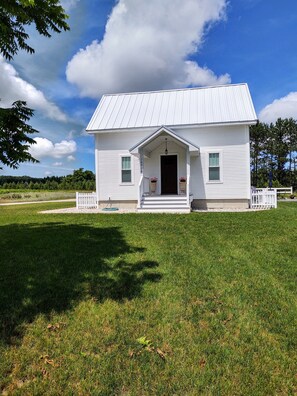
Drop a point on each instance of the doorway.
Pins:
(168, 174)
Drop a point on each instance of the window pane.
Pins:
(214, 173)
(214, 159)
(126, 176)
(126, 163)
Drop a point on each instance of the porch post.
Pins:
(188, 176)
(97, 168)
(140, 185)
(141, 160)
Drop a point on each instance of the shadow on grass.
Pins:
(48, 267)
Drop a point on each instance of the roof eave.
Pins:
(200, 125)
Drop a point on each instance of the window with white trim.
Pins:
(214, 171)
(126, 172)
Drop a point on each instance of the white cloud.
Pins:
(57, 163)
(46, 148)
(13, 88)
(146, 46)
(70, 158)
(285, 107)
(48, 173)
(197, 75)
(69, 4)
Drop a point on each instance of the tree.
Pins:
(280, 147)
(258, 138)
(14, 142)
(15, 16)
(273, 151)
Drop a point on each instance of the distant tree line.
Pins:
(274, 153)
(79, 180)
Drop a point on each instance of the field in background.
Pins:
(139, 304)
(7, 196)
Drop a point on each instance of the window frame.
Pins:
(220, 152)
(123, 183)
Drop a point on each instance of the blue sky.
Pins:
(133, 45)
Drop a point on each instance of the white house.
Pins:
(200, 135)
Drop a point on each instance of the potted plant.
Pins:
(182, 184)
(153, 181)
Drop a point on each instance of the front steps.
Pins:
(164, 204)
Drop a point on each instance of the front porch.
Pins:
(165, 172)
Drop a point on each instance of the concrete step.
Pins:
(157, 209)
(164, 206)
(164, 197)
(169, 201)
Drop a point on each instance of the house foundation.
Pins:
(206, 204)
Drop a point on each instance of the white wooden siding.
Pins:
(109, 149)
(109, 175)
(232, 142)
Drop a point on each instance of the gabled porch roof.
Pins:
(152, 141)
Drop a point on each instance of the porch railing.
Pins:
(143, 187)
(263, 198)
(140, 190)
(188, 190)
(146, 185)
(86, 200)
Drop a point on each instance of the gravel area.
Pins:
(120, 211)
(86, 211)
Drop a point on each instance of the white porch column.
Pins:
(97, 168)
(188, 175)
(141, 161)
(140, 185)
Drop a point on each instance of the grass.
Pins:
(14, 195)
(127, 304)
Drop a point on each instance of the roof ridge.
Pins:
(175, 89)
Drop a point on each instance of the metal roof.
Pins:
(179, 107)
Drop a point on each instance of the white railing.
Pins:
(263, 198)
(188, 190)
(86, 200)
(284, 190)
(146, 185)
(140, 190)
(143, 188)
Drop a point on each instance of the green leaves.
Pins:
(147, 345)
(273, 150)
(14, 142)
(27, 3)
(15, 16)
(143, 341)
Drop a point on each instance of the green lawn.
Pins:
(127, 304)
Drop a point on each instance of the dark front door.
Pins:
(169, 174)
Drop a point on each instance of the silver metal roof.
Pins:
(179, 107)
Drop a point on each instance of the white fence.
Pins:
(86, 200)
(284, 190)
(263, 198)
